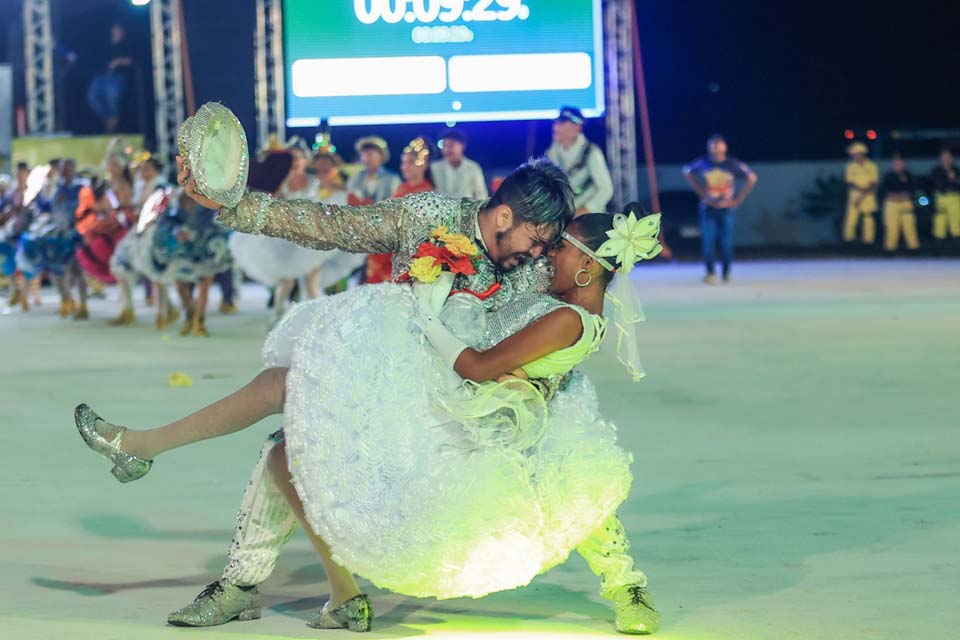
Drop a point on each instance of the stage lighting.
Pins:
(139, 3)
(923, 201)
(871, 134)
(848, 134)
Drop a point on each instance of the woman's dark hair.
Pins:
(591, 229)
(99, 187)
(431, 148)
(154, 162)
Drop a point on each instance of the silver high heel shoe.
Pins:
(126, 468)
(355, 614)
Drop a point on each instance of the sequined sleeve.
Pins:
(366, 229)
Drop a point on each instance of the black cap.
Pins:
(571, 114)
(453, 133)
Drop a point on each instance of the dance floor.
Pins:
(797, 447)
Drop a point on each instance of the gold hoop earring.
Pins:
(576, 279)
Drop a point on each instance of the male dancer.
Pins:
(514, 229)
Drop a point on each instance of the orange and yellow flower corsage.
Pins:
(444, 252)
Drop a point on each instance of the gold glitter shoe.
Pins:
(355, 614)
(125, 319)
(187, 324)
(82, 313)
(126, 468)
(228, 309)
(199, 327)
(219, 603)
(67, 308)
(634, 611)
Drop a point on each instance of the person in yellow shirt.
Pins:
(945, 180)
(861, 177)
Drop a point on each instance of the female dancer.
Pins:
(16, 215)
(401, 471)
(122, 262)
(105, 214)
(275, 262)
(189, 248)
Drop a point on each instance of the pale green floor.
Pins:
(797, 449)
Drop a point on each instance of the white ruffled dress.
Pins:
(270, 260)
(411, 496)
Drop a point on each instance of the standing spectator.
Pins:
(583, 162)
(107, 89)
(714, 179)
(373, 183)
(456, 175)
(862, 176)
(898, 188)
(945, 180)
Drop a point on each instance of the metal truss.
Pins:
(621, 105)
(270, 90)
(38, 56)
(167, 74)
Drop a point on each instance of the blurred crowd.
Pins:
(126, 223)
(895, 196)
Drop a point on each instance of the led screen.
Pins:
(395, 61)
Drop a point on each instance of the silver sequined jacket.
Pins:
(395, 226)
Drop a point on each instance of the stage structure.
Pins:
(165, 34)
(38, 57)
(270, 89)
(268, 59)
(621, 105)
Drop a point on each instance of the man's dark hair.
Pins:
(23, 166)
(538, 192)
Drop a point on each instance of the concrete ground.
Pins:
(797, 449)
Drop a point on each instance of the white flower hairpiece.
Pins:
(632, 240)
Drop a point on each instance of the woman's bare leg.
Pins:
(280, 295)
(342, 585)
(203, 295)
(311, 282)
(261, 397)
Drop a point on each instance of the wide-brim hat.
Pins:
(857, 148)
(373, 142)
(268, 174)
(213, 146)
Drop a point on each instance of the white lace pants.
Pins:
(265, 523)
